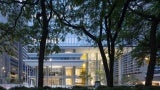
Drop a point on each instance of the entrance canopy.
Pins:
(67, 63)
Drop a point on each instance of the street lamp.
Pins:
(3, 69)
(147, 60)
(51, 70)
(128, 76)
(3, 73)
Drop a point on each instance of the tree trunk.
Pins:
(42, 44)
(111, 63)
(105, 65)
(153, 51)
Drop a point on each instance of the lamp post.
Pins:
(147, 60)
(3, 73)
(3, 69)
(51, 70)
(128, 76)
(120, 71)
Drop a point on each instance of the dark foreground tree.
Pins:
(35, 14)
(144, 9)
(101, 21)
(44, 22)
(13, 32)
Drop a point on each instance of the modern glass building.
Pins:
(72, 66)
(12, 66)
(77, 63)
(128, 72)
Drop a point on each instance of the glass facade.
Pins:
(75, 66)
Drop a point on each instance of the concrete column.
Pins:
(73, 75)
(86, 81)
(25, 73)
(47, 74)
(36, 76)
(63, 76)
(20, 62)
(120, 71)
(97, 67)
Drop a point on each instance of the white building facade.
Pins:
(78, 63)
(128, 72)
(73, 65)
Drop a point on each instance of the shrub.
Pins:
(47, 88)
(122, 88)
(115, 88)
(19, 88)
(79, 88)
(104, 88)
(139, 87)
(151, 88)
(2, 88)
(60, 88)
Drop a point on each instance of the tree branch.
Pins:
(108, 33)
(112, 9)
(17, 1)
(67, 23)
(101, 20)
(146, 16)
(121, 19)
(19, 15)
(51, 7)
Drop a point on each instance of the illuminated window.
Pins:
(68, 71)
(78, 81)
(68, 81)
(78, 72)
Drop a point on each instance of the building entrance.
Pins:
(53, 81)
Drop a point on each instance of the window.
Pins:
(68, 71)
(78, 72)
(68, 81)
(78, 81)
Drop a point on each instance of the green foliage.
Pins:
(101, 21)
(44, 88)
(52, 49)
(22, 25)
(119, 52)
(129, 79)
(101, 76)
(138, 87)
(136, 30)
(154, 6)
(14, 30)
(151, 88)
(79, 88)
(142, 50)
(78, 3)
(140, 53)
(115, 88)
(19, 88)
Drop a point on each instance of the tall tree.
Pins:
(13, 32)
(33, 14)
(144, 9)
(101, 21)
